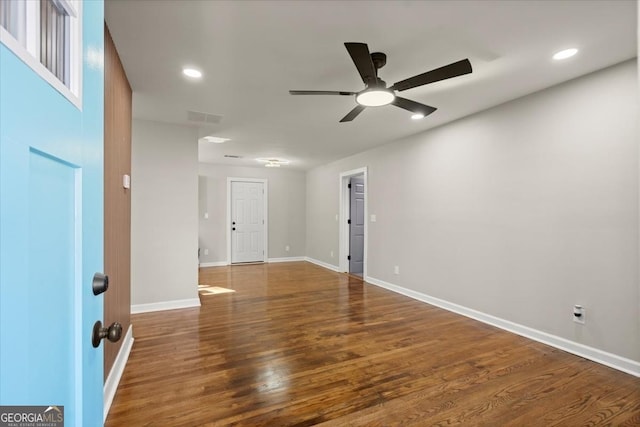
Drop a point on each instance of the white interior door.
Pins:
(247, 222)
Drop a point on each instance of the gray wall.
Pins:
(519, 212)
(164, 209)
(287, 210)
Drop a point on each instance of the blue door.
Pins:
(51, 234)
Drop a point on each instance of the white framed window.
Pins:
(47, 36)
(13, 19)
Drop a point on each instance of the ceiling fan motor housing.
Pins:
(377, 83)
(379, 59)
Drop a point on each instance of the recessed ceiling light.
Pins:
(564, 54)
(192, 72)
(215, 139)
(417, 116)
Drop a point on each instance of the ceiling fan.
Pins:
(376, 93)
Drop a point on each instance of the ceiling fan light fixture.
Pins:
(375, 97)
(417, 116)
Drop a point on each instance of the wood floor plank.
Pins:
(299, 345)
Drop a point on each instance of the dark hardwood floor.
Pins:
(300, 345)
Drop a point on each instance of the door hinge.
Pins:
(348, 257)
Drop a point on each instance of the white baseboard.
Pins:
(287, 259)
(113, 379)
(323, 264)
(224, 263)
(165, 305)
(213, 264)
(608, 359)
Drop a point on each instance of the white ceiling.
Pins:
(253, 52)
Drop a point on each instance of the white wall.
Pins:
(164, 213)
(286, 216)
(518, 212)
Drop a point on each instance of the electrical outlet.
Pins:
(286, 248)
(579, 314)
(396, 269)
(206, 251)
(331, 253)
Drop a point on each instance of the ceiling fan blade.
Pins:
(320, 92)
(353, 113)
(361, 57)
(448, 71)
(413, 106)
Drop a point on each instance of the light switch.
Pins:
(373, 218)
(126, 181)
(206, 215)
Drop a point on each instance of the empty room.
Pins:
(336, 213)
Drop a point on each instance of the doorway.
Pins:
(356, 225)
(246, 220)
(353, 224)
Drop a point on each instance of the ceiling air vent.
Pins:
(233, 156)
(200, 117)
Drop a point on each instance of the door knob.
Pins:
(112, 333)
(233, 228)
(100, 283)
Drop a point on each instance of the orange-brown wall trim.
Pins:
(117, 199)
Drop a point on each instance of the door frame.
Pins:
(265, 214)
(343, 216)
